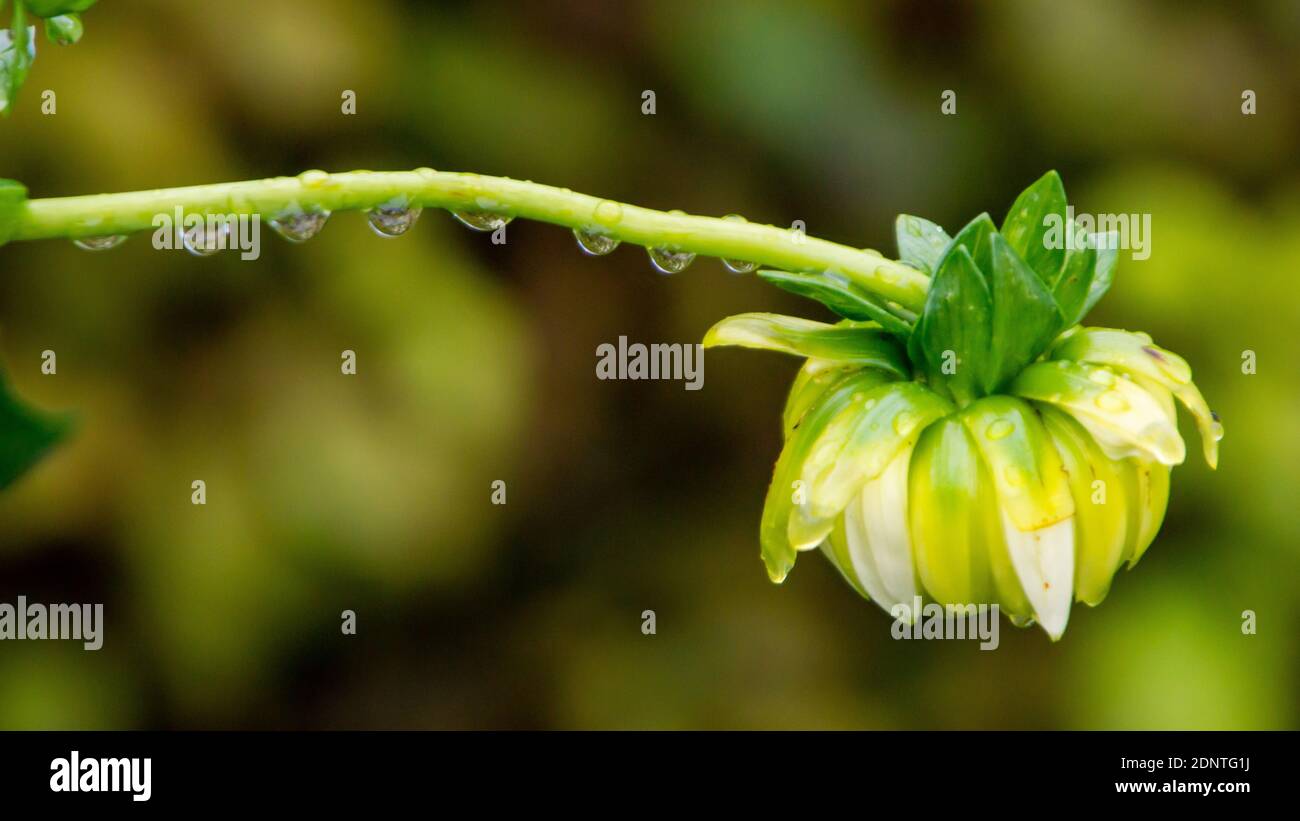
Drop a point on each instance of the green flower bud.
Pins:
(1031, 500)
(968, 455)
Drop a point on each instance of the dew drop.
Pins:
(481, 220)
(999, 429)
(1014, 476)
(393, 220)
(594, 243)
(207, 239)
(99, 243)
(608, 213)
(904, 423)
(314, 178)
(1112, 401)
(869, 404)
(738, 266)
(300, 226)
(667, 261)
(1216, 426)
(1101, 376)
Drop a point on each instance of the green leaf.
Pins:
(1025, 316)
(921, 243)
(13, 196)
(26, 434)
(1036, 224)
(836, 292)
(861, 344)
(952, 336)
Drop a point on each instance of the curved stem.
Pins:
(772, 247)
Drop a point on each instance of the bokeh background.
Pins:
(476, 363)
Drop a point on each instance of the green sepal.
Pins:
(838, 293)
(1025, 317)
(864, 344)
(976, 237)
(921, 243)
(13, 197)
(26, 434)
(957, 318)
(1038, 215)
(1104, 272)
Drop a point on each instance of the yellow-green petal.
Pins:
(1134, 353)
(952, 516)
(863, 343)
(1024, 466)
(1124, 419)
(1147, 487)
(784, 493)
(856, 447)
(1101, 506)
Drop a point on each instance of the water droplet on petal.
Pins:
(99, 243)
(1113, 402)
(904, 423)
(207, 239)
(595, 243)
(1216, 427)
(1102, 377)
(481, 220)
(869, 404)
(1014, 476)
(999, 429)
(667, 261)
(300, 226)
(393, 220)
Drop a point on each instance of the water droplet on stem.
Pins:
(668, 261)
(100, 243)
(300, 226)
(595, 243)
(393, 220)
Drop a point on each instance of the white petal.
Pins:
(880, 544)
(1044, 562)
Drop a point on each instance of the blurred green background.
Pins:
(476, 363)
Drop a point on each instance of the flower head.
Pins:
(989, 450)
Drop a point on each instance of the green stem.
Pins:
(771, 247)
